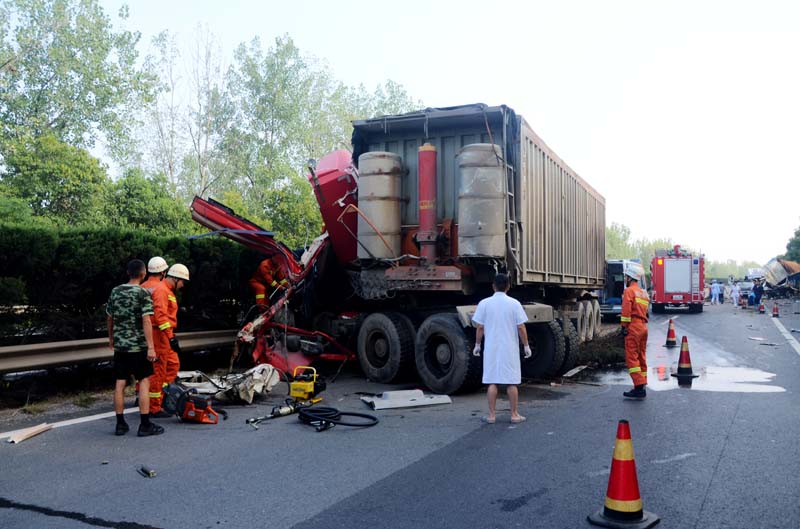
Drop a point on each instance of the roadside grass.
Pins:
(603, 351)
(84, 399)
(35, 408)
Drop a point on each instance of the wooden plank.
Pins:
(27, 433)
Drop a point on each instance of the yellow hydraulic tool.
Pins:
(305, 384)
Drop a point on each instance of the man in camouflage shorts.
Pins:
(130, 335)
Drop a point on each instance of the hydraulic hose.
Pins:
(324, 418)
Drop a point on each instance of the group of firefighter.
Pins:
(163, 282)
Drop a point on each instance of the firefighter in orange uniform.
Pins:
(156, 271)
(268, 276)
(635, 303)
(165, 323)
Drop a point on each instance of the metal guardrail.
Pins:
(36, 356)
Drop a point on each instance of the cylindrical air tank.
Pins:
(481, 201)
(379, 200)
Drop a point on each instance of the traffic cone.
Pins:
(775, 312)
(672, 341)
(761, 308)
(684, 362)
(623, 504)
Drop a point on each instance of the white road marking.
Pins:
(786, 334)
(673, 458)
(70, 422)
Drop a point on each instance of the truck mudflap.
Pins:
(537, 313)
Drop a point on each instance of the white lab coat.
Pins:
(500, 315)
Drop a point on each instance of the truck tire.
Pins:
(386, 346)
(571, 345)
(597, 319)
(547, 342)
(580, 321)
(588, 322)
(444, 358)
(658, 308)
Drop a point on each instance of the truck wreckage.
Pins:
(419, 218)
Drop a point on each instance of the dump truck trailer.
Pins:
(419, 218)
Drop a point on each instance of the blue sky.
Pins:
(684, 115)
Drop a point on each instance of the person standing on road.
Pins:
(714, 292)
(156, 270)
(758, 291)
(502, 320)
(635, 302)
(130, 336)
(735, 292)
(165, 322)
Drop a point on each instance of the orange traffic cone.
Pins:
(672, 341)
(684, 363)
(623, 504)
(761, 308)
(775, 312)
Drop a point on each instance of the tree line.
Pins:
(176, 121)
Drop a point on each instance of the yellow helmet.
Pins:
(178, 271)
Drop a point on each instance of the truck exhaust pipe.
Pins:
(426, 236)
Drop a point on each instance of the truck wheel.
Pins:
(588, 322)
(547, 342)
(658, 308)
(386, 346)
(571, 346)
(580, 321)
(444, 355)
(596, 319)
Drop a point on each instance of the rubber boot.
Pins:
(638, 392)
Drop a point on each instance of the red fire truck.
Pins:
(677, 278)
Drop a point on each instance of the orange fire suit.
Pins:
(635, 302)
(151, 284)
(165, 322)
(267, 277)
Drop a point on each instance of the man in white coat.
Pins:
(502, 320)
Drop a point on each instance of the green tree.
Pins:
(793, 247)
(65, 71)
(135, 201)
(55, 180)
(618, 242)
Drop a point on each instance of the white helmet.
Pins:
(178, 271)
(156, 265)
(633, 270)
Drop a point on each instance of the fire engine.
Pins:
(677, 278)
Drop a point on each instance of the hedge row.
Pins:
(54, 283)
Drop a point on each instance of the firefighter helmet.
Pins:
(178, 271)
(633, 270)
(156, 265)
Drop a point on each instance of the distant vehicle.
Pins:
(611, 295)
(677, 278)
(745, 287)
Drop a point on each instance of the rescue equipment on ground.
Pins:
(672, 340)
(188, 405)
(289, 407)
(623, 504)
(323, 418)
(306, 385)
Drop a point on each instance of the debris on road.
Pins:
(27, 433)
(771, 344)
(756, 338)
(146, 472)
(255, 382)
(574, 371)
(411, 398)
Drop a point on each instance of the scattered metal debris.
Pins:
(756, 338)
(411, 398)
(574, 371)
(146, 472)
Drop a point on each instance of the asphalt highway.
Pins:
(722, 454)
